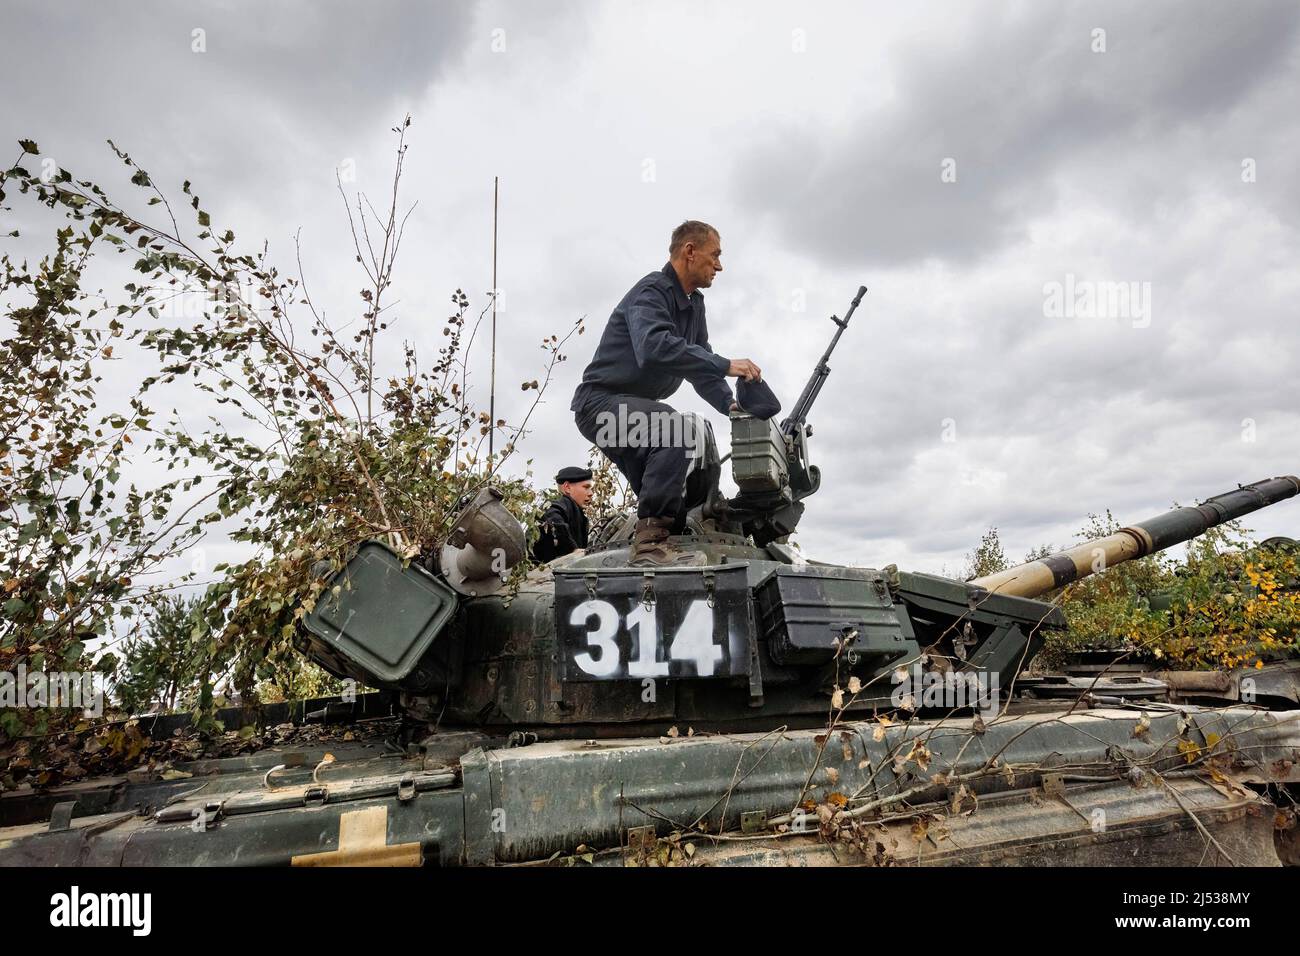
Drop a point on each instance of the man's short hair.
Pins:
(692, 230)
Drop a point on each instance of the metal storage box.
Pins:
(758, 458)
(379, 616)
(803, 610)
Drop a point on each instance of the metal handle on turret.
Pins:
(1136, 541)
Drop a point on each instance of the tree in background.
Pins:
(325, 443)
(1231, 603)
(611, 496)
(159, 668)
(987, 558)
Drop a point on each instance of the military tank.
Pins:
(749, 708)
(588, 645)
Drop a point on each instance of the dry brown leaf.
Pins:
(957, 798)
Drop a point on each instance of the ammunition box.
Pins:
(758, 455)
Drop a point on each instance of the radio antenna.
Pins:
(492, 384)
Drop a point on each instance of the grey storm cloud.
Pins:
(321, 56)
(822, 170)
(1020, 100)
(233, 88)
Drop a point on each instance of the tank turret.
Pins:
(750, 633)
(587, 644)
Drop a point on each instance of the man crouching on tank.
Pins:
(655, 338)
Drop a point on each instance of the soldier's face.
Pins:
(704, 262)
(579, 491)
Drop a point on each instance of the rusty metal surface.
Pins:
(1188, 682)
(1277, 683)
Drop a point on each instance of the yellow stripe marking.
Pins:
(363, 841)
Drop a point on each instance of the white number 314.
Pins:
(694, 640)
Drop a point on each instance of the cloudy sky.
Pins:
(984, 169)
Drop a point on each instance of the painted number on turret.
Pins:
(693, 642)
(608, 630)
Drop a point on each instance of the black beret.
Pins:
(573, 474)
(757, 399)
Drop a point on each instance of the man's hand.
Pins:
(744, 368)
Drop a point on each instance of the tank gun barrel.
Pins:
(1138, 540)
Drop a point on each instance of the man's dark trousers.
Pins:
(656, 472)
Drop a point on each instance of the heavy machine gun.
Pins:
(771, 463)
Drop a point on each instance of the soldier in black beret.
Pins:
(563, 524)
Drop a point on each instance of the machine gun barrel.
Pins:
(1136, 541)
(799, 414)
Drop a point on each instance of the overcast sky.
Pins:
(978, 166)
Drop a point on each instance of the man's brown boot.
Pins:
(650, 547)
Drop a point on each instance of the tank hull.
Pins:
(1182, 787)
